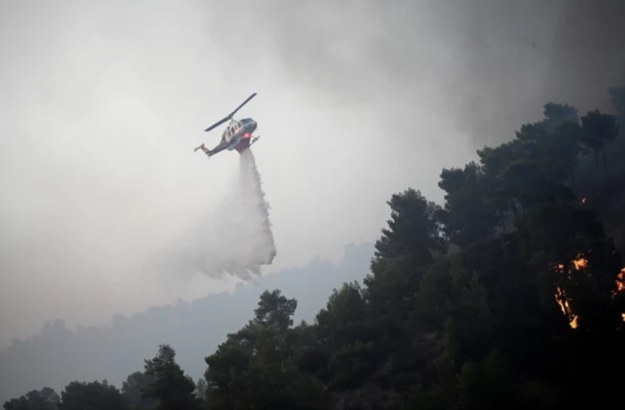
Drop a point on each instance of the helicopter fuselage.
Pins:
(238, 134)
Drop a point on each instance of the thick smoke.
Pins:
(489, 65)
(235, 238)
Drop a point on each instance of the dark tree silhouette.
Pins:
(599, 130)
(133, 389)
(44, 399)
(91, 396)
(255, 367)
(170, 386)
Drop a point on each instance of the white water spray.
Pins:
(236, 238)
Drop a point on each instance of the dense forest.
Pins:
(509, 295)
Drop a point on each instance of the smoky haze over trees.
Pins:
(59, 354)
(523, 54)
(510, 291)
(408, 86)
(511, 294)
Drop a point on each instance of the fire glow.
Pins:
(620, 281)
(564, 301)
(565, 306)
(579, 263)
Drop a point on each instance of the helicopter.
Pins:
(237, 135)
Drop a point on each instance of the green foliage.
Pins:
(44, 399)
(91, 396)
(599, 130)
(275, 310)
(403, 253)
(534, 168)
(557, 114)
(486, 385)
(413, 231)
(335, 350)
(343, 321)
(349, 365)
(170, 386)
(255, 367)
(470, 215)
(133, 389)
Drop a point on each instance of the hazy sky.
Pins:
(102, 103)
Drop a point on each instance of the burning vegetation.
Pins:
(580, 263)
(620, 281)
(565, 305)
(562, 299)
(565, 302)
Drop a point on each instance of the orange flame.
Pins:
(620, 281)
(620, 286)
(580, 262)
(565, 306)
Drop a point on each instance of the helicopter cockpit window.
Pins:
(231, 130)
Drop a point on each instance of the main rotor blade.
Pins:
(218, 123)
(229, 116)
(242, 104)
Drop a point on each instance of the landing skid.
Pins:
(203, 148)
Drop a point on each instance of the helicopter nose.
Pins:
(253, 125)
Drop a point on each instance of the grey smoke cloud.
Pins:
(517, 56)
(489, 65)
